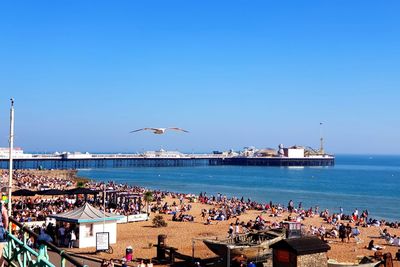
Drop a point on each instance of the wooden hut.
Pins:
(300, 252)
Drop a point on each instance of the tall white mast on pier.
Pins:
(321, 148)
(10, 165)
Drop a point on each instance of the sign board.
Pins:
(134, 218)
(102, 241)
(138, 217)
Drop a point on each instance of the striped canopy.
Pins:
(85, 214)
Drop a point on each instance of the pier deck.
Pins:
(128, 161)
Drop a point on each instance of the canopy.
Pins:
(81, 191)
(85, 214)
(51, 192)
(24, 193)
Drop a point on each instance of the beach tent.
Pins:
(89, 221)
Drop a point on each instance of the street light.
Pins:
(10, 165)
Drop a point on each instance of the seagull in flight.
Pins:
(159, 130)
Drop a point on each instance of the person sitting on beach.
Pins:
(398, 255)
(275, 225)
(321, 230)
(333, 233)
(373, 247)
(313, 230)
(395, 241)
(187, 218)
(149, 263)
(104, 263)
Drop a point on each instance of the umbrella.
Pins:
(24, 193)
(51, 192)
(81, 191)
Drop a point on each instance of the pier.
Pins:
(94, 161)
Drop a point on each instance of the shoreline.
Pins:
(245, 194)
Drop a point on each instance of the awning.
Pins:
(85, 214)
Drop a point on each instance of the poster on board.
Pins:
(102, 241)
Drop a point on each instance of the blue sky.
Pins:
(234, 73)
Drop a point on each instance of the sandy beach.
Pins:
(142, 235)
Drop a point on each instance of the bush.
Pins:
(158, 221)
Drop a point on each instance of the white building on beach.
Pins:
(87, 222)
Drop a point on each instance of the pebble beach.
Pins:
(142, 235)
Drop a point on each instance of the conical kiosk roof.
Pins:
(85, 214)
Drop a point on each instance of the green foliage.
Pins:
(148, 196)
(80, 184)
(158, 221)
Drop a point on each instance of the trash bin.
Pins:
(129, 253)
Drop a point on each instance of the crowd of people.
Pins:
(224, 208)
(221, 208)
(37, 208)
(34, 181)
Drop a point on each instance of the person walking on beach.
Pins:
(355, 215)
(230, 231)
(356, 232)
(237, 229)
(290, 206)
(203, 214)
(342, 232)
(348, 232)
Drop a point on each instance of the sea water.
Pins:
(362, 182)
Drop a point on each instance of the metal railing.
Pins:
(18, 253)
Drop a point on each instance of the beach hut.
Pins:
(300, 252)
(87, 222)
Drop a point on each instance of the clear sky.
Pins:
(234, 73)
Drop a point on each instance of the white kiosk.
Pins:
(88, 221)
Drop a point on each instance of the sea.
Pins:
(355, 182)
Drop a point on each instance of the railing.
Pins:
(18, 253)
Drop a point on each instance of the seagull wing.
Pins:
(178, 129)
(143, 129)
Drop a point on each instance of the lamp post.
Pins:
(104, 208)
(10, 165)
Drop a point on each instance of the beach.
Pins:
(356, 181)
(188, 235)
(142, 235)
